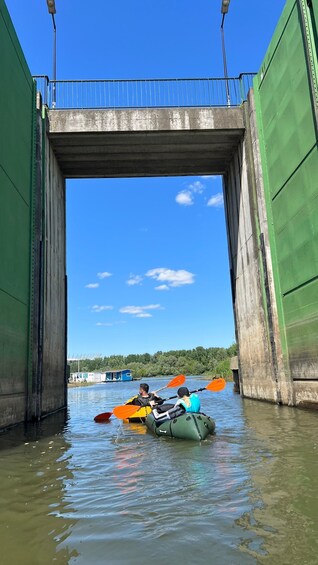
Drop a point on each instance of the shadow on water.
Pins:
(34, 431)
(34, 469)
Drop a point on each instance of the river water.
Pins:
(73, 491)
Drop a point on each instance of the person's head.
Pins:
(144, 388)
(183, 391)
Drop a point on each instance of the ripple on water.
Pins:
(78, 492)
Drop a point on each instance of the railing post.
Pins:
(242, 89)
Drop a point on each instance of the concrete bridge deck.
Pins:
(145, 142)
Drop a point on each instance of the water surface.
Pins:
(73, 491)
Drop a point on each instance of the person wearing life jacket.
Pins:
(144, 398)
(186, 403)
(190, 402)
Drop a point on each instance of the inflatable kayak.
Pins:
(189, 425)
(140, 414)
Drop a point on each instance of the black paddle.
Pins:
(215, 386)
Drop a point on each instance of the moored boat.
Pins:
(194, 426)
(119, 376)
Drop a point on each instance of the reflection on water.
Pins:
(73, 491)
(34, 471)
(284, 478)
(128, 462)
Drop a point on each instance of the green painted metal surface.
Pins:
(285, 95)
(17, 107)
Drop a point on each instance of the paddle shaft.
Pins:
(159, 389)
(176, 381)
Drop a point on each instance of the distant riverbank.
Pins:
(77, 385)
(83, 383)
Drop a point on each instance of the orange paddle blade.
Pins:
(125, 411)
(216, 385)
(177, 381)
(102, 417)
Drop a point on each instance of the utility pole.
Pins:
(52, 11)
(224, 10)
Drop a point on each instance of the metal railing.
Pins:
(144, 93)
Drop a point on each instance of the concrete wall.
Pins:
(255, 361)
(144, 142)
(47, 391)
(48, 322)
(54, 385)
(261, 368)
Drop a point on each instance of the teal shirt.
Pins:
(195, 403)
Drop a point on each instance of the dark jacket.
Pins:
(145, 400)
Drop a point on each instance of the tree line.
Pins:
(199, 361)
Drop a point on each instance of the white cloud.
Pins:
(134, 279)
(92, 285)
(162, 287)
(139, 311)
(110, 324)
(184, 198)
(104, 275)
(97, 308)
(216, 201)
(144, 315)
(171, 277)
(196, 187)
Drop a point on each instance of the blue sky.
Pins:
(147, 259)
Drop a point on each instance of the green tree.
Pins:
(223, 369)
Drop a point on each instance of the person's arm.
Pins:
(180, 402)
(158, 399)
(155, 399)
(177, 410)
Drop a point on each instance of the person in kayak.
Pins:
(145, 398)
(186, 403)
(191, 402)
